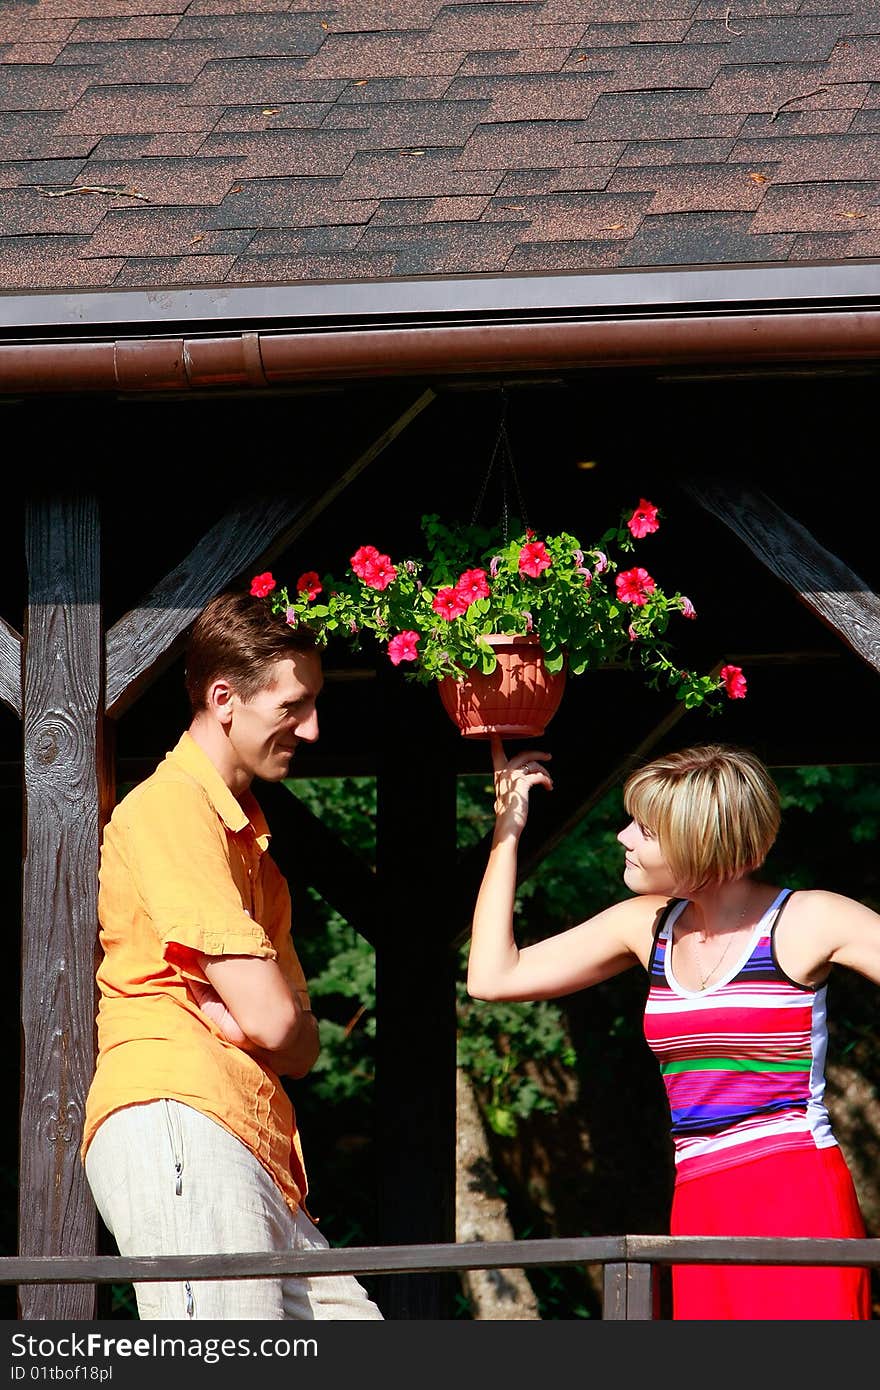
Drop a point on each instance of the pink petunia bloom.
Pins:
(601, 564)
(493, 565)
(687, 608)
(310, 585)
(588, 578)
(530, 622)
(471, 586)
(262, 584)
(644, 519)
(379, 572)
(403, 647)
(632, 634)
(734, 682)
(291, 617)
(578, 558)
(634, 586)
(449, 604)
(534, 558)
(362, 559)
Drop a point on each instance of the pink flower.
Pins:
(578, 558)
(403, 647)
(534, 559)
(634, 586)
(379, 572)
(449, 604)
(687, 608)
(291, 617)
(734, 682)
(588, 578)
(601, 564)
(644, 519)
(262, 584)
(530, 622)
(362, 559)
(471, 586)
(309, 584)
(493, 565)
(632, 634)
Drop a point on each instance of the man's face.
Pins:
(265, 730)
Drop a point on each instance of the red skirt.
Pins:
(807, 1192)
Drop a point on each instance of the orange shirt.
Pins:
(185, 869)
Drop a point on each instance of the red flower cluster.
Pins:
(453, 601)
(374, 569)
(534, 558)
(403, 647)
(310, 585)
(262, 585)
(734, 682)
(644, 519)
(634, 586)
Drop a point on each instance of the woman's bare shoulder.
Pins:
(639, 914)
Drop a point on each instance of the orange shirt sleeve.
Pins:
(181, 862)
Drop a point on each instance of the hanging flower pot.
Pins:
(517, 700)
(438, 617)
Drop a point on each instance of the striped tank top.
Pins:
(743, 1060)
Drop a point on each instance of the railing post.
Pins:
(614, 1287)
(640, 1291)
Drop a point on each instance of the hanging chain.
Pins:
(508, 471)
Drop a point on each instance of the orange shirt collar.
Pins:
(235, 814)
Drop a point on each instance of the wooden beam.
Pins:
(308, 853)
(10, 667)
(143, 643)
(62, 754)
(416, 1024)
(840, 599)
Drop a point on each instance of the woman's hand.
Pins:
(514, 779)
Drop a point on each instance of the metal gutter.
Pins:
(259, 338)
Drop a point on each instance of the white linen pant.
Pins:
(169, 1180)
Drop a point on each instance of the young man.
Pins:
(190, 1141)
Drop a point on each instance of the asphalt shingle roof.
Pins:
(261, 141)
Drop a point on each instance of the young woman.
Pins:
(735, 1011)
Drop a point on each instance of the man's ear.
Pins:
(221, 700)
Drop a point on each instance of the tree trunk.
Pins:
(481, 1214)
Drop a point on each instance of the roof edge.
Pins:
(597, 294)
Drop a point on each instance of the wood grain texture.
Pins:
(256, 530)
(10, 667)
(841, 600)
(61, 715)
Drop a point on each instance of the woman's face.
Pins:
(645, 870)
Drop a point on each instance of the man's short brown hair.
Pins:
(238, 637)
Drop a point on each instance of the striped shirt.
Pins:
(743, 1060)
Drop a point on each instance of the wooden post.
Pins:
(62, 726)
(415, 990)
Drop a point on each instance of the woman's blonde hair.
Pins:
(713, 808)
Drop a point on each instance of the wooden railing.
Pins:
(630, 1262)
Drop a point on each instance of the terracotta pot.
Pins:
(517, 700)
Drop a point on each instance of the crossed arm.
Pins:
(250, 1001)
